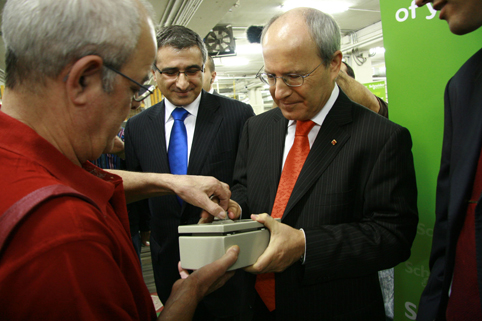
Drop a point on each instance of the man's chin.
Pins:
(460, 29)
(288, 110)
(181, 102)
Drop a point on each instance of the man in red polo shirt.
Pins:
(72, 68)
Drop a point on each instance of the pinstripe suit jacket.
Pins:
(355, 200)
(219, 125)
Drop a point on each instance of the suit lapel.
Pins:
(324, 149)
(156, 134)
(207, 125)
(276, 133)
(468, 144)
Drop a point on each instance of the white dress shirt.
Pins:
(318, 120)
(189, 122)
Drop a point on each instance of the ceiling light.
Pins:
(329, 7)
(251, 49)
(232, 62)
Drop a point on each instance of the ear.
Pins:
(154, 74)
(213, 76)
(83, 79)
(335, 64)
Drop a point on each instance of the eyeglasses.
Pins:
(173, 73)
(291, 80)
(145, 89)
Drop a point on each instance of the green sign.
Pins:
(421, 56)
(378, 88)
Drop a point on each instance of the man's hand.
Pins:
(286, 246)
(234, 212)
(356, 91)
(201, 190)
(196, 190)
(190, 289)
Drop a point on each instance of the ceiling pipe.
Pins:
(166, 12)
(188, 11)
(173, 12)
(366, 42)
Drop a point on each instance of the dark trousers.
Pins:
(136, 241)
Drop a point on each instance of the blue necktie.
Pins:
(177, 152)
(178, 143)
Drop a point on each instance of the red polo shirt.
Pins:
(68, 261)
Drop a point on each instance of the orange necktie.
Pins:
(294, 162)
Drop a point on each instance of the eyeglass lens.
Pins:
(176, 72)
(289, 80)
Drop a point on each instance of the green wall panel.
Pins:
(421, 56)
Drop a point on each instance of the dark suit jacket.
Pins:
(219, 125)
(463, 127)
(355, 199)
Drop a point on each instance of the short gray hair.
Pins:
(323, 29)
(43, 36)
(180, 38)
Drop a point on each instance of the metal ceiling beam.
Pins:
(208, 15)
(198, 15)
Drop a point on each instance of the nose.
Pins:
(421, 3)
(182, 81)
(281, 90)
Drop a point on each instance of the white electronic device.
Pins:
(201, 244)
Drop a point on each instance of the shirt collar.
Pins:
(192, 108)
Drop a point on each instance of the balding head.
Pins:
(300, 62)
(322, 28)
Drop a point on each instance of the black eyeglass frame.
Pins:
(262, 75)
(149, 90)
(178, 72)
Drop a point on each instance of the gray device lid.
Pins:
(221, 226)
